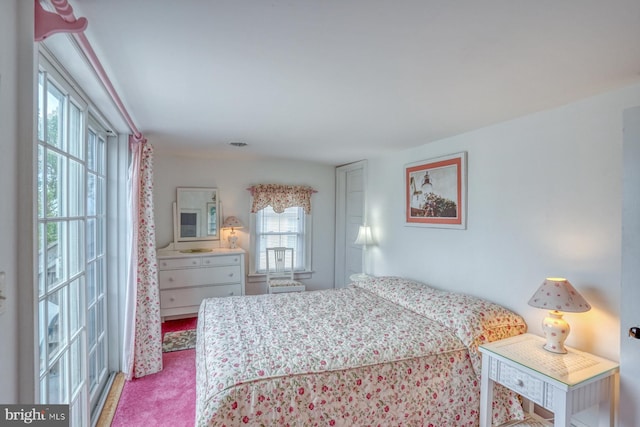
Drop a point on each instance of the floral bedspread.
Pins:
(350, 357)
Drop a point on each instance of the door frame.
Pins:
(341, 243)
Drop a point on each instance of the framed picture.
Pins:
(436, 192)
(212, 219)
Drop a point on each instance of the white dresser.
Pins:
(187, 278)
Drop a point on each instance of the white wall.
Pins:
(232, 177)
(630, 315)
(8, 158)
(544, 199)
(17, 79)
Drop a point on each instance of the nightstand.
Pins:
(564, 384)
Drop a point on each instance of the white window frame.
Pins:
(254, 252)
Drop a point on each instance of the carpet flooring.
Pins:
(166, 398)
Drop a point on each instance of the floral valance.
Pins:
(280, 197)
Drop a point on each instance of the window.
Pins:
(290, 228)
(72, 294)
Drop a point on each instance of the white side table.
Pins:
(564, 384)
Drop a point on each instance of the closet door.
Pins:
(350, 215)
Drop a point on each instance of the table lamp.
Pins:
(232, 222)
(364, 238)
(556, 294)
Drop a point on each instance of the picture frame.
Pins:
(436, 192)
(212, 219)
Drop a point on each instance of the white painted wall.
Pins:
(544, 199)
(17, 80)
(8, 193)
(630, 315)
(232, 177)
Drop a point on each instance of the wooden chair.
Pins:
(280, 271)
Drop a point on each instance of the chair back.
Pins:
(279, 263)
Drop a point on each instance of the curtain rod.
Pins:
(48, 23)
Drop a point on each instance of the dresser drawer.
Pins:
(519, 381)
(199, 276)
(194, 296)
(215, 261)
(167, 264)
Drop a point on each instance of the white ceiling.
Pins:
(340, 80)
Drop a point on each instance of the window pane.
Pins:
(91, 283)
(91, 194)
(76, 188)
(100, 238)
(43, 389)
(55, 117)
(42, 259)
(55, 185)
(56, 321)
(76, 247)
(101, 158)
(99, 282)
(91, 326)
(76, 411)
(56, 253)
(40, 182)
(91, 151)
(100, 195)
(42, 327)
(76, 364)
(93, 370)
(75, 132)
(56, 377)
(100, 318)
(91, 238)
(76, 305)
(41, 106)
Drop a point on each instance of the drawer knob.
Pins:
(231, 293)
(171, 279)
(519, 382)
(230, 274)
(194, 262)
(164, 264)
(172, 299)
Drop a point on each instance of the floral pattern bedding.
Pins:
(381, 353)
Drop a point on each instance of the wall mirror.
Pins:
(197, 215)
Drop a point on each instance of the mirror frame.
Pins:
(198, 216)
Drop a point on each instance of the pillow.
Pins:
(473, 320)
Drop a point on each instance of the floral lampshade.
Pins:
(556, 294)
(231, 222)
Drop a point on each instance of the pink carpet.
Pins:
(166, 398)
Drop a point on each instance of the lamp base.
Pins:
(556, 330)
(233, 241)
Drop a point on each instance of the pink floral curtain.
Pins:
(143, 335)
(280, 197)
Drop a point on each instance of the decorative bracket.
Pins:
(48, 23)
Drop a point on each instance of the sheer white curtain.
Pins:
(142, 347)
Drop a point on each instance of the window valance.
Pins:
(280, 197)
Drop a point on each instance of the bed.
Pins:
(387, 351)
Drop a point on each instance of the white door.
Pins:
(629, 312)
(350, 214)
